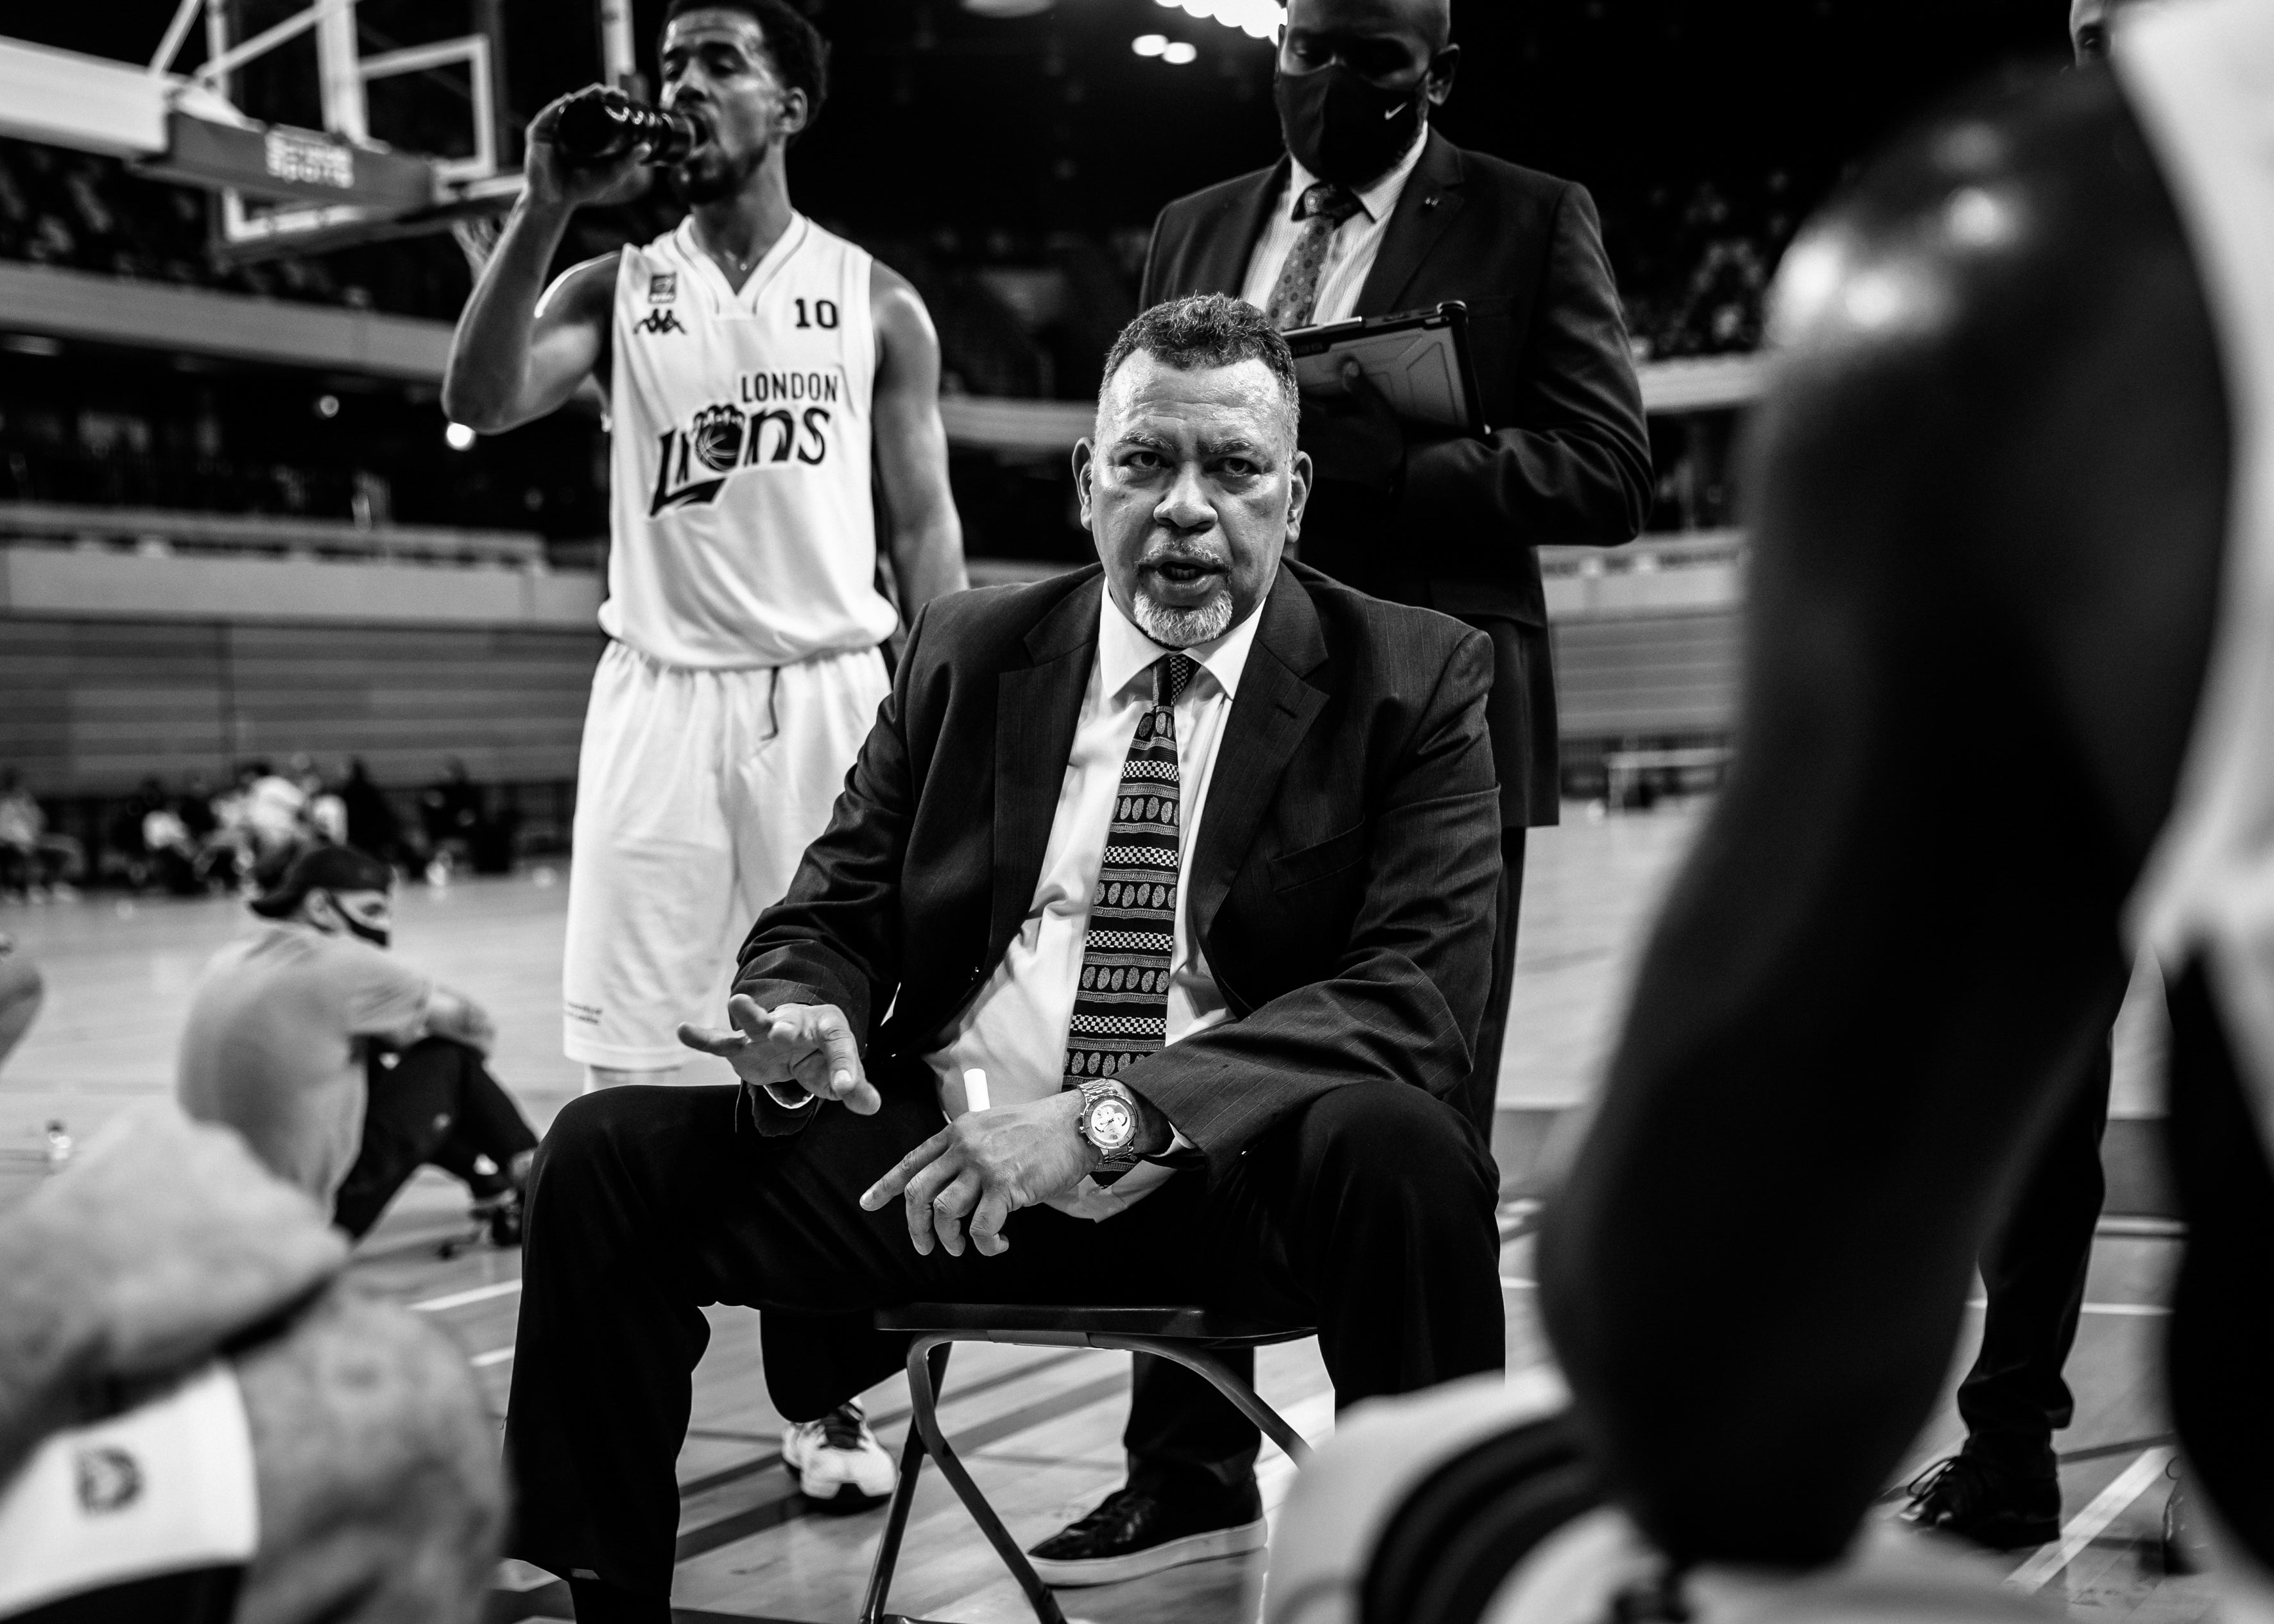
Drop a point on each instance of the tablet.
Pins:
(1419, 359)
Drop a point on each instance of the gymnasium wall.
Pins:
(115, 665)
(93, 706)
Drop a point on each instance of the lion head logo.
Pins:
(716, 437)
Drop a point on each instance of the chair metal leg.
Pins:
(921, 1396)
(904, 1491)
(1206, 1365)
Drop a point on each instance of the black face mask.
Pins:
(354, 927)
(1343, 129)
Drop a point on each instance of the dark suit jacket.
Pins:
(1568, 457)
(1342, 888)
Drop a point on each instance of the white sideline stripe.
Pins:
(460, 1299)
(495, 1356)
(1515, 1284)
(2122, 1311)
(2086, 1525)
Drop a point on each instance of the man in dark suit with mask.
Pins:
(1371, 211)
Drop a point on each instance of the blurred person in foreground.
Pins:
(775, 397)
(2002, 1489)
(2012, 514)
(1220, 948)
(344, 1069)
(1371, 211)
(197, 1425)
(2012, 527)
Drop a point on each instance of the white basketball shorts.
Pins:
(166, 1487)
(697, 791)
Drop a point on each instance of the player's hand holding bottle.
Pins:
(551, 179)
(794, 1051)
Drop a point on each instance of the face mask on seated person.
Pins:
(1341, 128)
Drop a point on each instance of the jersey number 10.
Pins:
(825, 314)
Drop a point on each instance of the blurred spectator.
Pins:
(20, 991)
(1695, 265)
(38, 861)
(171, 853)
(90, 213)
(372, 825)
(326, 813)
(125, 838)
(456, 816)
(266, 819)
(215, 855)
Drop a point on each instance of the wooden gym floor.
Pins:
(1039, 1427)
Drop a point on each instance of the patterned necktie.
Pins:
(1121, 1009)
(1322, 209)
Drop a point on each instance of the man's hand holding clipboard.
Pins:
(1370, 384)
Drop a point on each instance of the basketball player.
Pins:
(759, 371)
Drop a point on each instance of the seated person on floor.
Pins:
(343, 1068)
(1201, 846)
(195, 1426)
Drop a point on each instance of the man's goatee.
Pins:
(1181, 628)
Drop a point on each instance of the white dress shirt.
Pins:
(1350, 254)
(1015, 1030)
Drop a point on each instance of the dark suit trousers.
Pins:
(2013, 1399)
(1369, 1214)
(1180, 1429)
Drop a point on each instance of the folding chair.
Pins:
(1188, 1336)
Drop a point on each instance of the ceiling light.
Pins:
(1177, 53)
(461, 437)
(1259, 20)
(1149, 44)
(328, 405)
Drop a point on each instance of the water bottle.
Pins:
(598, 125)
(59, 1146)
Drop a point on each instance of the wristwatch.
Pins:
(1108, 1121)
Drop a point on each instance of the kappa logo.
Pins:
(662, 287)
(659, 321)
(722, 440)
(109, 1480)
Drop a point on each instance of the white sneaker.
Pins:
(837, 1461)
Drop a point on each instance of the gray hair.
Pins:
(1206, 329)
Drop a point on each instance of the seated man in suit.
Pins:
(1199, 847)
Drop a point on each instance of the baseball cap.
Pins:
(324, 867)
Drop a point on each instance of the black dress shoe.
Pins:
(1998, 1508)
(1139, 1531)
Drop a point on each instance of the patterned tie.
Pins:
(1322, 209)
(1121, 1010)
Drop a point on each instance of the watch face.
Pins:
(1110, 1123)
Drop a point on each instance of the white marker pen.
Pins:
(975, 1089)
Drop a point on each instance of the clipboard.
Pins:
(1419, 359)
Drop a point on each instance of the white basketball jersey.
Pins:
(743, 533)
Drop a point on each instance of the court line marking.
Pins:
(2088, 1524)
(2122, 1311)
(463, 1299)
(495, 1356)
